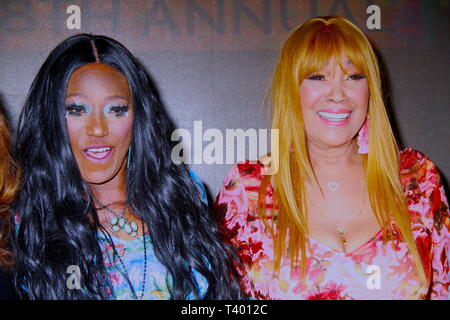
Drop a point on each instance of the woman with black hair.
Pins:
(103, 211)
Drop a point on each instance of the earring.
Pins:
(363, 138)
(129, 157)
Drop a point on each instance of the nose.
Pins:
(337, 93)
(97, 126)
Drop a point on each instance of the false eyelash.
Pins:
(358, 76)
(119, 110)
(74, 109)
(315, 77)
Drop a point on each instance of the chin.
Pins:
(97, 178)
(333, 141)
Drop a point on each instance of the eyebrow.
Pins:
(108, 97)
(347, 62)
(75, 94)
(117, 97)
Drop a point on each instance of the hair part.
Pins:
(58, 222)
(306, 50)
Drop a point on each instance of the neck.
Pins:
(325, 158)
(112, 191)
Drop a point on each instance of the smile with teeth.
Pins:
(98, 153)
(98, 150)
(334, 116)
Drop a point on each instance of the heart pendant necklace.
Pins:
(333, 186)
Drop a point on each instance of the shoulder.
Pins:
(252, 173)
(411, 160)
(237, 201)
(246, 173)
(417, 171)
(241, 182)
(423, 189)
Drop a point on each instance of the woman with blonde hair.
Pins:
(9, 180)
(347, 215)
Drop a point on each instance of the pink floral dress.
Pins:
(375, 270)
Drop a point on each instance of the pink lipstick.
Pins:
(98, 153)
(334, 116)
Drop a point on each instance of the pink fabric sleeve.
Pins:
(440, 234)
(231, 207)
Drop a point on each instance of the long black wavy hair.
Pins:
(55, 217)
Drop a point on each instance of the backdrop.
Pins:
(212, 60)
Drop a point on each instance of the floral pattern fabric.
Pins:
(130, 254)
(158, 282)
(375, 270)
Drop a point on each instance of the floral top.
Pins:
(372, 271)
(157, 280)
(131, 253)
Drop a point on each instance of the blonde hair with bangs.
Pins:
(305, 51)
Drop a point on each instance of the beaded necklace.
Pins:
(124, 271)
(120, 221)
(127, 277)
